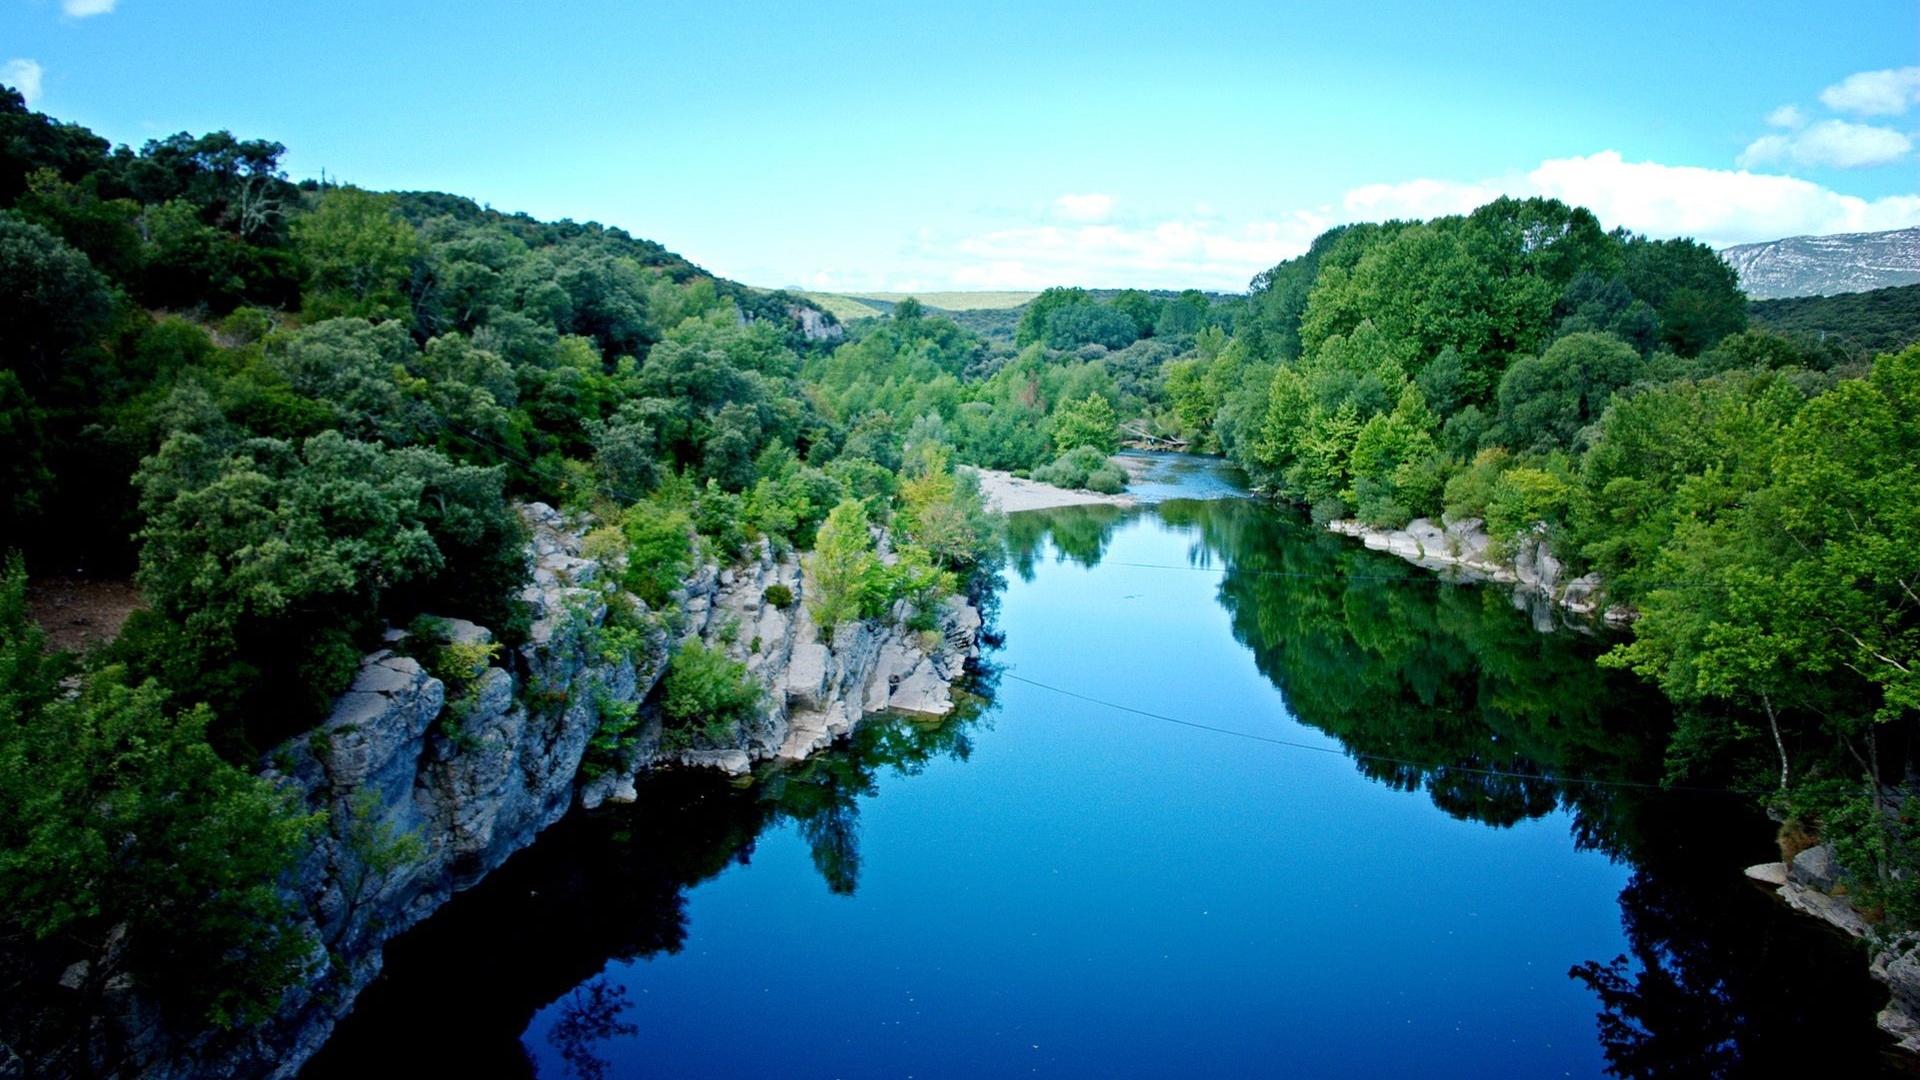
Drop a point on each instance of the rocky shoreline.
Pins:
(427, 792)
(1814, 884)
(1462, 551)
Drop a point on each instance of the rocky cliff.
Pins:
(427, 791)
(1825, 265)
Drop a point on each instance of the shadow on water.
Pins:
(1432, 688)
(1448, 690)
(458, 991)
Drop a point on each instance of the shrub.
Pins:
(659, 551)
(1523, 500)
(1079, 468)
(705, 697)
(1469, 491)
(1107, 480)
(779, 596)
(614, 735)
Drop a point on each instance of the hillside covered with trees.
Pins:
(300, 414)
(1752, 493)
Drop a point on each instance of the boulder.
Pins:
(1816, 868)
(923, 691)
(807, 676)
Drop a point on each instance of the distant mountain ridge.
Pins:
(1827, 265)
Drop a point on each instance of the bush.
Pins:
(1107, 480)
(779, 596)
(1375, 504)
(1524, 500)
(1083, 467)
(1469, 491)
(705, 697)
(659, 551)
(613, 737)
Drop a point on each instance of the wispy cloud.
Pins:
(1874, 93)
(1716, 206)
(1829, 143)
(24, 76)
(86, 9)
(1787, 116)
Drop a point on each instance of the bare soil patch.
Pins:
(80, 613)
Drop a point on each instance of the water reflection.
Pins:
(605, 887)
(1432, 688)
(1449, 690)
(1079, 534)
(590, 1016)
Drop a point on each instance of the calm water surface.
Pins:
(1238, 799)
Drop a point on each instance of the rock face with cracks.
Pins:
(426, 792)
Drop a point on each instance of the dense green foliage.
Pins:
(1084, 369)
(117, 820)
(300, 414)
(1748, 491)
(1855, 325)
(705, 697)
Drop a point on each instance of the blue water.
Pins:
(1240, 799)
(1095, 893)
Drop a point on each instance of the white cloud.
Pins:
(1091, 206)
(1786, 116)
(1713, 205)
(1874, 93)
(1717, 206)
(1169, 254)
(24, 76)
(82, 9)
(1835, 143)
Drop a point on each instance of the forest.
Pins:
(301, 413)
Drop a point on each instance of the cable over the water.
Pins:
(1438, 576)
(1360, 755)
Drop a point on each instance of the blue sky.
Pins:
(1007, 145)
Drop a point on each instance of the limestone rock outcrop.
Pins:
(1462, 551)
(426, 791)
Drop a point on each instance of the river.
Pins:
(1237, 798)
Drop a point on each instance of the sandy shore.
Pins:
(1007, 492)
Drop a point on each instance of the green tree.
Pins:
(1033, 320)
(361, 252)
(1088, 323)
(705, 697)
(1087, 422)
(1144, 310)
(114, 811)
(845, 580)
(1546, 400)
(56, 302)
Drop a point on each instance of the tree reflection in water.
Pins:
(1435, 688)
(1449, 690)
(591, 1015)
(603, 887)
